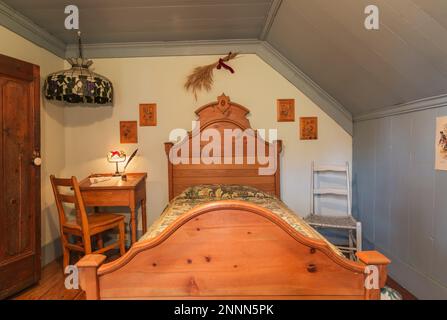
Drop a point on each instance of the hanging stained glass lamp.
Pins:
(79, 85)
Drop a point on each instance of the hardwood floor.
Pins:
(51, 287)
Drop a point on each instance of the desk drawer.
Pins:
(106, 198)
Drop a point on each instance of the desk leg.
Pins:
(144, 215)
(133, 224)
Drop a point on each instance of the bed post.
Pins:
(278, 171)
(168, 147)
(88, 274)
(374, 259)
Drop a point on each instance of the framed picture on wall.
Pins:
(309, 128)
(286, 110)
(128, 132)
(148, 115)
(441, 143)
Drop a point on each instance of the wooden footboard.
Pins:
(230, 250)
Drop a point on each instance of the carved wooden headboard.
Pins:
(240, 170)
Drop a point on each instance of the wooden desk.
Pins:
(118, 193)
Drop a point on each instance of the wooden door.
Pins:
(19, 175)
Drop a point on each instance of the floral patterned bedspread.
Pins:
(202, 194)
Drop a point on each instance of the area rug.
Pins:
(388, 293)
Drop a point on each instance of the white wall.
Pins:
(401, 198)
(52, 124)
(91, 132)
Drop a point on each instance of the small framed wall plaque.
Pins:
(286, 110)
(148, 115)
(128, 132)
(441, 143)
(309, 128)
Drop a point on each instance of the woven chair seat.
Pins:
(346, 222)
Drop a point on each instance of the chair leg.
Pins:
(358, 236)
(351, 239)
(65, 251)
(122, 237)
(66, 257)
(99, 241)
(87, 243)
(351, 245)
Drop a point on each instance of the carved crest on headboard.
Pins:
(223, 103)
(223, 110)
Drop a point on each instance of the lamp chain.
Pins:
(80, 45)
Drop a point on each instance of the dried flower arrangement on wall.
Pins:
(309, 128)
(286, 110)
(148, 115)
(202, 77)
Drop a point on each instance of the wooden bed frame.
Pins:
(229, 249)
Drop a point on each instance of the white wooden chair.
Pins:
(346, 222)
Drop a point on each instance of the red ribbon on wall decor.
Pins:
(222, 64)
(202, 78)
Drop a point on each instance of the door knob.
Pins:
(37, 161)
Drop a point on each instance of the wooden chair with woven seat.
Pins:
(346, 222)
(85, 226)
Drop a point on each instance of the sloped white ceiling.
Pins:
(364, 70)
(405, 60)
(109, 21)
